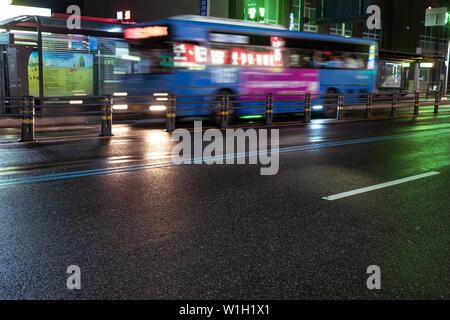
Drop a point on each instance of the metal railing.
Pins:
(222, 107)
(24, 108)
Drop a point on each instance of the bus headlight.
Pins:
(318, 107)
(157, 108)
(120, 107)
(120, 94)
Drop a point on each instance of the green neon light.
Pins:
(262, 11)
(300, 15)
(252, 13)
(258, 116)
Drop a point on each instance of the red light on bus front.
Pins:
(146, 32)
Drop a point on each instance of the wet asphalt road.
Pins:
(139, 227)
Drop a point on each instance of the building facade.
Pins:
(412, 54)
(406, 42)
(402, 21)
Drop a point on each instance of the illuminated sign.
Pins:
(8, 11)
(256, 11)
(243, 57)
(124, 15)
(146, 32)
(372, 54)
(204, 7)
(262, 11)
(190, 55)
(252, 13)
(277, 42)
(426, 64)
(187, 55)
(219, 57)
(291, 21)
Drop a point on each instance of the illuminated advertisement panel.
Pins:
(65, 74)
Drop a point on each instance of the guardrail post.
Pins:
(369, 105)
(170, 113)
(224, 112)
(27, 111)
(416, 103)
(107, 117)
(437, 100)
(394, 105)
(340, 107)
(308, 108)
(269, 108)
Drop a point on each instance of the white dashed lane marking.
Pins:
(379, 186)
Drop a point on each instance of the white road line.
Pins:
(379, 186)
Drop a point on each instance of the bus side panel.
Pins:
(347, 81)
(287, 83)
(205, 85)
(141, 87)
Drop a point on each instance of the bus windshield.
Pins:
(149, 55)
(146, 60)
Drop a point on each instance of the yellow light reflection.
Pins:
(116, 129)
(158, 137)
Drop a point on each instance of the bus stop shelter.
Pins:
(27, 41)
(401, 72)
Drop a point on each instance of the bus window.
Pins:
(352, 62)
(301, 58)
(145, 61)
(357, 60)
(339, 60)
(154, 55)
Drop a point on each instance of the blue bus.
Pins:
(193, 55)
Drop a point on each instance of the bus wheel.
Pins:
(331, 103)
(217, 107)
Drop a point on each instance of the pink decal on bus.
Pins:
(279, 81)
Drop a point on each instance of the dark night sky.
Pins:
(142, 10)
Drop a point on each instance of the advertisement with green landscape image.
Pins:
(65, 74)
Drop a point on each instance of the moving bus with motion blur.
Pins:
(192, 55)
